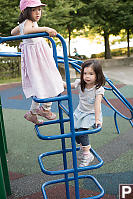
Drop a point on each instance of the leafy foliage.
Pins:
(63, 16)
(72, 17)
(9, 12)
(9, 67)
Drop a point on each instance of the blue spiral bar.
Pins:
(68, 135)
(117, 91)
(80, 169)
(71, 179)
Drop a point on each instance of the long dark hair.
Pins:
(100, 79)
(26, 14)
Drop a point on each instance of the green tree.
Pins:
(102, 18)
(9, 12)
(125, 20)
(63, 16)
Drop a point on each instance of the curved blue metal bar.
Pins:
(122, 97)
(131, 123)
(72, 179)
(124, 101)
(127, 118)
(64, 109)
(51, 99)
(71, 59)
(106, 88)
(11, 54)
(59, 172)
(73, 65)
(19, 37)
(54, 51)
(120, 114)
(68, 135)
(51, 122)
(116, 124)
(53, 137)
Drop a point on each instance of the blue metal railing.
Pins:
(124, 101)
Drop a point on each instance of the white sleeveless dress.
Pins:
(40, 76)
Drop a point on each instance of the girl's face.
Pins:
(36, 13)
(89, 76)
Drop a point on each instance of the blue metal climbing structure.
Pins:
(63, 136)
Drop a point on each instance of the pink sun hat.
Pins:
(30, 3)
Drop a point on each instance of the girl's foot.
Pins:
(45, 113)
(86, 159)
(32, 118)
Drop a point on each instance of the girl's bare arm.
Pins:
(65, 85)
(30, 28)
(98, 109)
(15, 31)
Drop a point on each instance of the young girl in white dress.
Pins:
(40, 76)
(88, 112)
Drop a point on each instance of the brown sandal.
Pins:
(45, 113)
(32, 118)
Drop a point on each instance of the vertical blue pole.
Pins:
(71, 117)
(64, 152)
(61, 125)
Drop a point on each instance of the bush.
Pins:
(80, 57)
(9, 67)
(114, 53)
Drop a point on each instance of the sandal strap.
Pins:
(32, 118)
(44, 113)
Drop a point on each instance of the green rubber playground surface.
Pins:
(24, 147)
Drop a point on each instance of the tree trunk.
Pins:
(128, 47)
(69, 41)
(107, 46)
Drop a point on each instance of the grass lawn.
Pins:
(14, 80)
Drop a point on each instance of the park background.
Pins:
(97, 29)
(107, 22)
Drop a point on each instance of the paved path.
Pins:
(123, 74)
